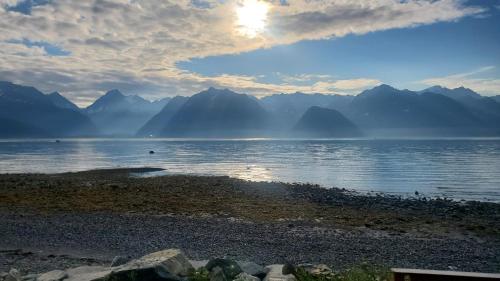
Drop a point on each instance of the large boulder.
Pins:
(88, 273)
(54, 275)
(164, 265)
(167, 265)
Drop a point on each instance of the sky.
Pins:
(159, 48)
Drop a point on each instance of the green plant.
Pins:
(362, 272)
(200, 274)
(366, 273)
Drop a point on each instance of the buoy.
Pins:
(151, 152)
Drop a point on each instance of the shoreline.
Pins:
(153, 172)
(108, 212)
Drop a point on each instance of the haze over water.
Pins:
(453, 168)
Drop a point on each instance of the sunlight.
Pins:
(252, 17)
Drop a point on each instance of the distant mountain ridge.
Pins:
(286, 109)
(217, 113)
(487, 109)
(156, 125)
(457, 93)
(382, 111)
(385, 108)
(118, 115)
(62, 102)
(324, 123)
(27, 112)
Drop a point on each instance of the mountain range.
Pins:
(379, 112)
(217, 113)
(26, 112)
(118, 115)
(288, 108)
(319, 122)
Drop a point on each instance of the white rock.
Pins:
(13, 275)
(87, 273)
(54, 275)
(172, 260)
(275, 274)
(246, 277)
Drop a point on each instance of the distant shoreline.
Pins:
(125, 138)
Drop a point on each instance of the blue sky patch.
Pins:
(24, 7)
(50, 49)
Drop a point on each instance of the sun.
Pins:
(252, 17)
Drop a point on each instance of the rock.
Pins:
(316, 269)
(252, 268)
(88, 273)
(54, 275)
(168, 265)
(13, 275)
(119, 260)
(229, 267)
(276, 274)
(288, 268)
(246, 277)
(217, 274)
(164, 265)
(29, 277)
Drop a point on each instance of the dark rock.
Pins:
(217, 274)
(147, 274)
(229, 267)
(288, 268)
(253, 269)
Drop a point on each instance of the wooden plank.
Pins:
(406, 274)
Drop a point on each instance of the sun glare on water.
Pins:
(252, 17)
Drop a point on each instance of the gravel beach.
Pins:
(66, 220)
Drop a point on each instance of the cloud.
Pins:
(128, 41)
(324, 83)
(486, 86)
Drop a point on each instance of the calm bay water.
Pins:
(453, 168)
